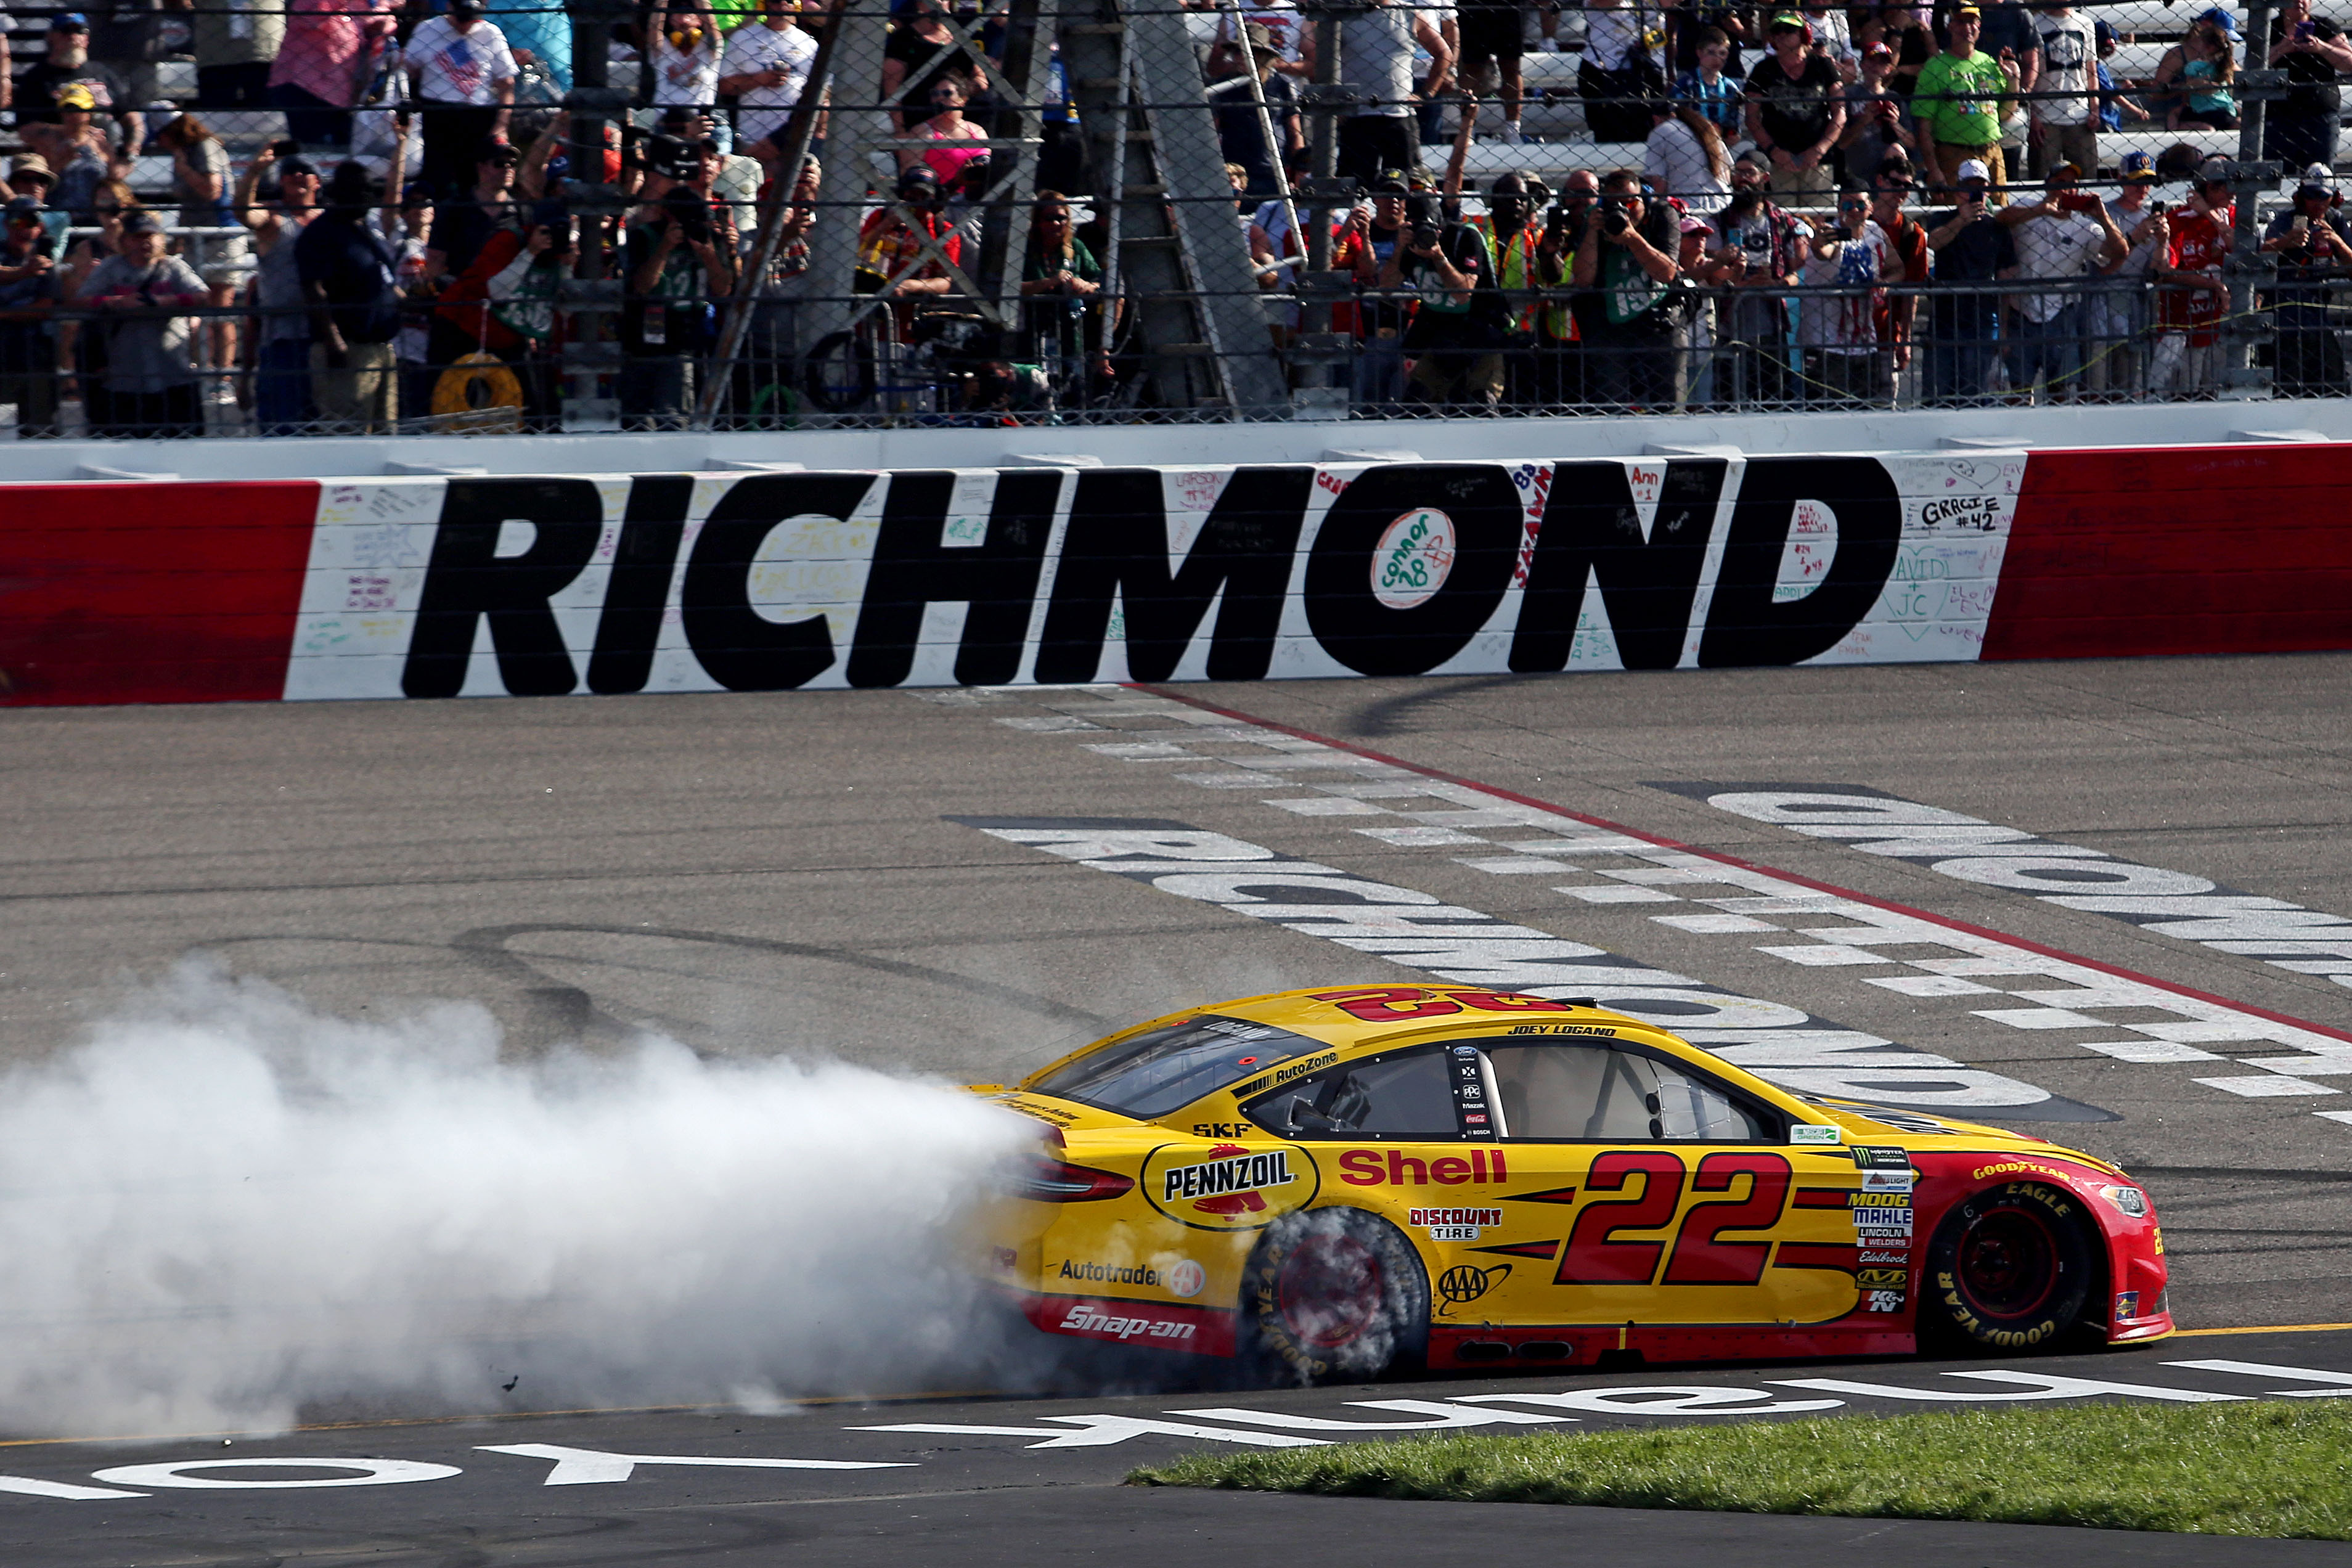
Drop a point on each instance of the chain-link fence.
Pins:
(339, 216)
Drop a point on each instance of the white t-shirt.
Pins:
(1676, 164)
(1436, 17)
(1844, 322)
(460, 67)
(758, 48)
(2058, 247)
(1278, 17)
(692, 79)
(2069, 48)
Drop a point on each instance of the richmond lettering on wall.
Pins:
(547, 586)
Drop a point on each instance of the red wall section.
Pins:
(151, 592)
(2183, 549)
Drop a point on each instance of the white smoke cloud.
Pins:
(223, 1208)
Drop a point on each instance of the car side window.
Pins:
(1407, 1095)
(1604, 1094)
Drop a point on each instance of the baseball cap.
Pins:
(2220, 18)
(24, 208)
(69, 22)
(2216, 169)
(1260, 40)
(1391, 182)
(550, 213)
(76, 95)
(295, 166)
(2136, 166)
(1973, 169)
(1693, 223)
(416, 194)
(494, 152)
(1969, 11)
(918, 174)
(1879, 47)
(1789, 22)
(138, 220)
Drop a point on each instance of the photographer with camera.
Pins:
(2313, 250)
(1757, 251)
(1630, 257)
(352, 282)
(151, 374)
(1371, 248)
(1533, 273)
(678, 257)
(1455, 341)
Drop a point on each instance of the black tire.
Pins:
(1333, 1296)
(2013, 1268)
(837, 373)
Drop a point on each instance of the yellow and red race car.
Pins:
(1336, 1181)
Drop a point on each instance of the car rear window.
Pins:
(1161, 1070)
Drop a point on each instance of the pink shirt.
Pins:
(950, 155)
(327, 41)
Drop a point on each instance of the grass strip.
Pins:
(2266, 1468)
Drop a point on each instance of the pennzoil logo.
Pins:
(1226, 1186)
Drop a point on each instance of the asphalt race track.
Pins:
(851, 874)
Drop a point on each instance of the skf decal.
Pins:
(1226, 1186)
(1223, 1129)
(1370, 1168)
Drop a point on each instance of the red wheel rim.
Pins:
(1329, 1290)
(2009, 1263)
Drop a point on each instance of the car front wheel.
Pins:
(2013, 1268)
(1334, 1295)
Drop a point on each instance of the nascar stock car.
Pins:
(1332, 1182)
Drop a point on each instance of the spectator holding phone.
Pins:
(1839, 332)
(2313, 252)
(2301, 128)
(2118, 360)
(150, 370)
(2059, 236)
(1972, 249)
(1962, 98)
(1877, 122)
(2187, 359)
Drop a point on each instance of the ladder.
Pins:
(1178, 254)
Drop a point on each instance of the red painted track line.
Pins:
(1721, 859)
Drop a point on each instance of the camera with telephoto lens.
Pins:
(1614, 222)
(1422, 212)
(685, 205)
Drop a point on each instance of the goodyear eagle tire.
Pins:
(1333, 1296)
(2010, 1269)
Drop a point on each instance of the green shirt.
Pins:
(1958, 101)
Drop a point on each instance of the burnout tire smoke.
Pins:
(224, 1208)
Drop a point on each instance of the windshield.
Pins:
(1162, 1070)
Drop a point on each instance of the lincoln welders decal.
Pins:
(932, 577)
(1785, 1045)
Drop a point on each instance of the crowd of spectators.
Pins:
(1820, 204)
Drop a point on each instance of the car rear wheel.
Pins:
(2012, 1268)
(1334, 1295)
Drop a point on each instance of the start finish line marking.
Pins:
(2058, 992)
(1236, 1424)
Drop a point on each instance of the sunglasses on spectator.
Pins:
(1854, 206)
